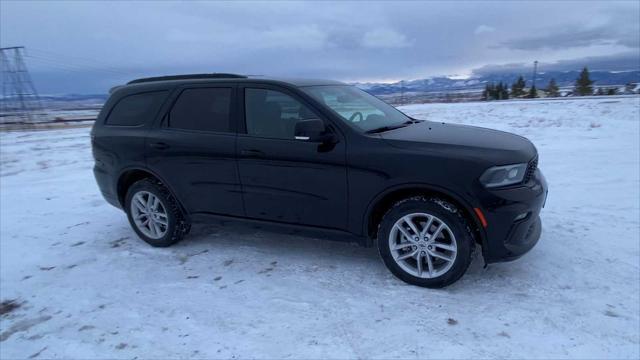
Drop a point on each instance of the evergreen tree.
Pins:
(504, 94)
(490, 92)
(612, 91)
(533, 92)
(486, 94)
(498, 91)
(517, 88)
(553, 89)
(583, 83)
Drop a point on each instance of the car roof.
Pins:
(176, 80)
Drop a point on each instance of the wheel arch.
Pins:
(385, 199)
(131, 175)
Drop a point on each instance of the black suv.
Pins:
(319, 157)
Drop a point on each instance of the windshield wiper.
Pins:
(392, 127)
(385, 128)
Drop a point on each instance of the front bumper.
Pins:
(513, 219)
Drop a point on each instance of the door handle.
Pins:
(159, 145)
(252, 153)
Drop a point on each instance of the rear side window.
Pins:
(205, 109)
(136, 109)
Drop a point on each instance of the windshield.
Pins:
(358, 108)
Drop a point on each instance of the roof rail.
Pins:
(187, 77)
(115, 88)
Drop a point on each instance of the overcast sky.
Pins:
(90, 46)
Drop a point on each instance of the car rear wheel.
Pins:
(425, 242)
(154, 214)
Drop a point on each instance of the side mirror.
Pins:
(312, 130)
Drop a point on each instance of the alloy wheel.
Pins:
(149, 214)
(423, 245)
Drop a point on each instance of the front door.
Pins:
(193, 150)
(284, 179)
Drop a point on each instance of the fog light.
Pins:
(521, 216)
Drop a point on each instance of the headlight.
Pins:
(503, 175)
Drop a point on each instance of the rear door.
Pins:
(193, 149)
(284, 179)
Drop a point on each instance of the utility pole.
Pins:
(533, 93)
(19, 96)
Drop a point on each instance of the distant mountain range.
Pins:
(478, 82)
(439, 84)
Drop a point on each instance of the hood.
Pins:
(497, 147)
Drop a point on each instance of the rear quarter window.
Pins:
(134, 110)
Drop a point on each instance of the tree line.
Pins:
(500, 91)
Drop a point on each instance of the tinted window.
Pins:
(136, 109)
(202, 109)
(273, 114)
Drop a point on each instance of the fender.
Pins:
(429, 187)
(154, 174)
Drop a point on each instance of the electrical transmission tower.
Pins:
(19, 96)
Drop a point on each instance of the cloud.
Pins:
(339, 40)
(481, 29)
(384, 38)
(304, 37)
(300, 37)
(616, 62)
(572, 38)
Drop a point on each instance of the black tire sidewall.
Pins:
(173, 214)
(447, 213)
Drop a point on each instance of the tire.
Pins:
(454, 243)
(171, 223)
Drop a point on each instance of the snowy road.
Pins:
(86, 287)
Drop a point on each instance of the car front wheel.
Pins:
(425, 242)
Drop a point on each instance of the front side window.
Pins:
(203, 109)
(273, 114)
(356, 107)
(134, 110)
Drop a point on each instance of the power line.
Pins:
(73, 67)
(77, 60)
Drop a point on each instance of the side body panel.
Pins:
(200, 166)
(118, 147)
(377, 169)
(293, 181)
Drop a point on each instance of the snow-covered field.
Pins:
(88, 288)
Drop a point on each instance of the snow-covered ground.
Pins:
(87, 287)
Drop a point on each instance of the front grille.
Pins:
(531, 170)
